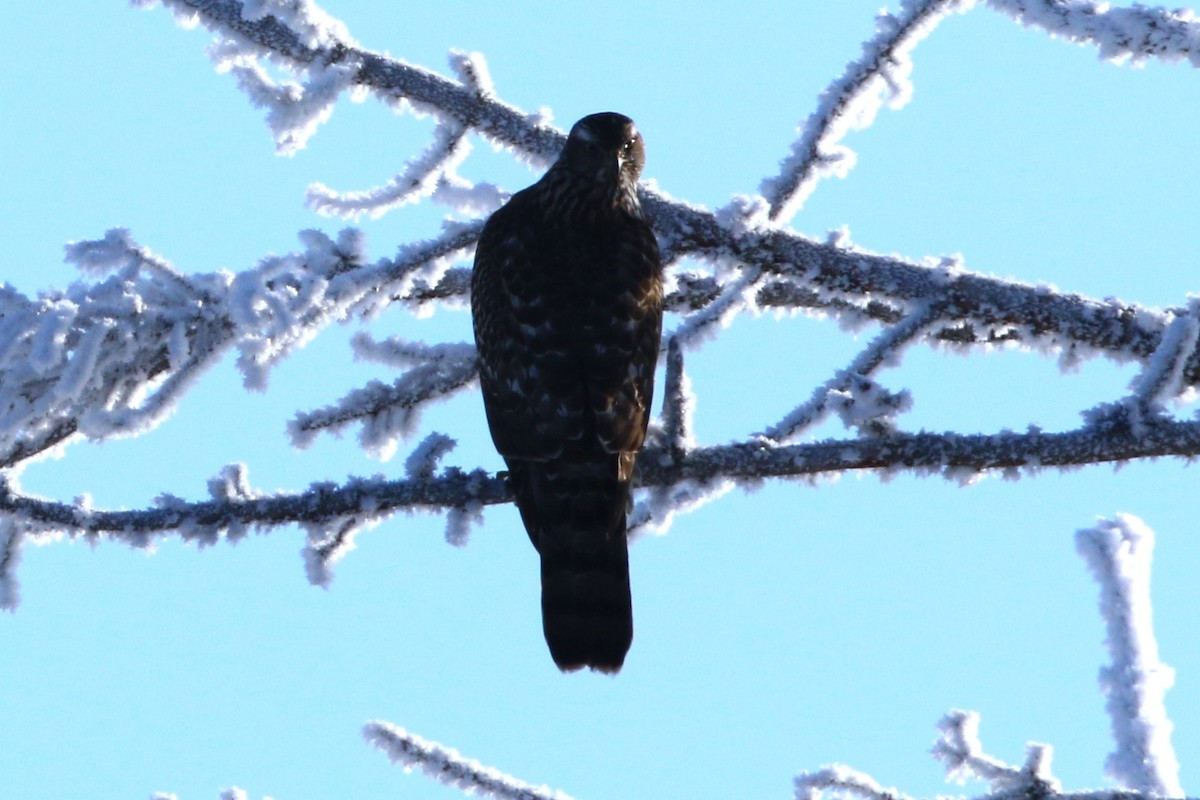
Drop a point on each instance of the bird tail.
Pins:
(576, 514)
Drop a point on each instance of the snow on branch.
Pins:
(232, 793)
(795, 271)
(394, 81)
(432, 174)
(851, 102)
(389, 414)
(10, 554)
(980, 309)
(328, 541)
(843, 781)
(1162, 379)
(447, 766)
(1118, 552)
(324, 506)
(105, 358)
(685, 480)
(1133, 33)
(848, 387)
(109, 357)
(679, 405)
(961, 753)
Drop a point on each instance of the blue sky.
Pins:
(776, 631)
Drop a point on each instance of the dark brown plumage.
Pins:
(566, 299)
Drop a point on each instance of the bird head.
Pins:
(605, 148)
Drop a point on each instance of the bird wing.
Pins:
(568, 319)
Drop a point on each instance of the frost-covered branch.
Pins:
(391, 413)
(843, 781)
(420, 178)
(853, 386)
(106, 358)
(880, 76)
(1007, 452)
(110, 357)
(1135, 33)
(394, 81)
(679, 405)
(823, 275)
(447, 766)
(1118, 552)
(1162, 379)
(205, 520)
(961, 753)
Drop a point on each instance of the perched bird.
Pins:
(566, 300)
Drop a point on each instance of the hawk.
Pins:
(566, 301)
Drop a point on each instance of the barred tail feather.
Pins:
(575, 513)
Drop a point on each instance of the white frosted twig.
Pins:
(1135, 32)
(448, 767)
(472, 69)
(232, 483)
(1118, 552)
(332, 514)
(388, 413)
(134, 419)
(679, 402)
(880, 76)
(695, 477)
(839, 276)
(419, 179)
(111, 357)
(336, 283)
(118, 251)
(397, 352)
(885, 349)
(424, 458)
(658, 508)
(1161, 380)
(10, 556)
(960, 751)
(459, 521)
(166, 327)
(329, 540)
(316, 27)
(294, 110)
(735, 296)
(844, 782)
